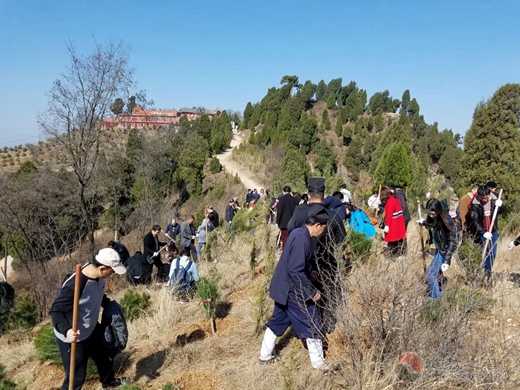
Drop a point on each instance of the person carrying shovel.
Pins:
(483, 225)
(88, 338)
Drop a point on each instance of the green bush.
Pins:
(246, 220)
(134, 304)
(207, 291)
(24, 314)
(357, 247)
(129, 387)
(5, 384)
(45, 345)
(214, 165)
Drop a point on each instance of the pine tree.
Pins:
(405, 102)
(321, 90)
(325, 121)
(293, 172)
(395, 167)
(492, 144)
(248, 112)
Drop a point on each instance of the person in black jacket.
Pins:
(152, 246)
(294, 292)
(325, 262)
(444, 233)
(284, 211)
(139, 270)
(481, 213)
(89, 336)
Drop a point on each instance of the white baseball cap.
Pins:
(110, 258)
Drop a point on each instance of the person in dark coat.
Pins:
(284, 211)
(294, 292)
(139, 270)
(400, 194)
(89, 335)
(479, 224)
(444, 233)
(151, 248)
(325, 261)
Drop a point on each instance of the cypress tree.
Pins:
(395, 167)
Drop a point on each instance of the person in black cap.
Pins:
(325, 263)
(294, 292)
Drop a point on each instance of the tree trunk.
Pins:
(88, 220)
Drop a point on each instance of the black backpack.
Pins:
(115, 331)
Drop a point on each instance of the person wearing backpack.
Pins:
(183, 275)
(444, 233)
(360, 223)
(89, 337)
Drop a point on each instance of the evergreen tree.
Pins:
(413, 108)
(118, 106)
(395, 167)
(326, 161)
(405, 102)
(340, 120)
(248, 112)
(321, 90)
(355, 104)
(325, 121)
(293, 172)
(492, 144)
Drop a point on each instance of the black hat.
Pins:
(316, 185)
(491, 184)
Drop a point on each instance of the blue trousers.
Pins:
(491, 251)
(432, 276)
(304, 318)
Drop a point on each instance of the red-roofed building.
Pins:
(152, 118)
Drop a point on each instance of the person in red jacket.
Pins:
(394, 223)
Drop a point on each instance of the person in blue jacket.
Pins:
(294, 292)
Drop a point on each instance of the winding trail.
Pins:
(234, 168)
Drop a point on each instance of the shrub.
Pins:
(134, 304)
(45, 345)
(207, 290)
(246, 220)
(24, 314)
(357, 247)
(5, 384)
(214, 165)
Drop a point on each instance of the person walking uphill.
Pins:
(394, 223)
(294, 293)
(479, 225)
(90, 333)
(444, 231)
(284, 211)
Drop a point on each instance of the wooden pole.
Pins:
(75, 309)
(379, 199)
(486, 244)
(5, 258)
(421, 236)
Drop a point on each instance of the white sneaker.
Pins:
(267, 348)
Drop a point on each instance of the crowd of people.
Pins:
(304, 283)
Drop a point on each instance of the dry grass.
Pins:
(472, 345)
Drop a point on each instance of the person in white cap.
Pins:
(90, 334)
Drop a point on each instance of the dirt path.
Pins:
(234, 168)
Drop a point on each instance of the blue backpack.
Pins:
(360, 223)
(181, 280)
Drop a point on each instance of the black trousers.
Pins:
(89, 348)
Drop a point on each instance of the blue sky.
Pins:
(450, 54)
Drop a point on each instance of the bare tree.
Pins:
(78, 102)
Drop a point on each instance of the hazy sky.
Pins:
(450, 54)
